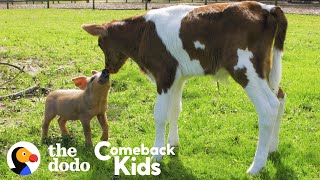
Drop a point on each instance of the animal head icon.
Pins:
(23, 160)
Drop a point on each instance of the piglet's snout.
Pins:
(104, 77)
(105, 72)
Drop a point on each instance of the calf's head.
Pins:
(98, 84)
(114, 58)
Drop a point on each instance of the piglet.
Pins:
(82, 104)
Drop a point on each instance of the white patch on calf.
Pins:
(168, 107)
(267, 7)
(160, 117)
(244, 57)
(174, 109)
(199, 45)
(255, 82)
(275, 74)
(168, 23)
(118, 23)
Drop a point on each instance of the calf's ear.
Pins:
(93, 72)
(95, 30)
(81, 82)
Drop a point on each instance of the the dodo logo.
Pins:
(23, 158)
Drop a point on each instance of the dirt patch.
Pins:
(32, 66)
(3, 120)
(11, 71)
(301, 10)
(3, 49)
(2, 107)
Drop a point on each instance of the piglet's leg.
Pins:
(46, 122)
(62, 123)
(87, 130)
(104, 126)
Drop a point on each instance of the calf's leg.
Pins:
(267, 105)
(276, 129)
(160, 116)
(175, 107)
(265, 102)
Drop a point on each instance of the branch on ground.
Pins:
(29, 92)
(8, 64)
(12, 65)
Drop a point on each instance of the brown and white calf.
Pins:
(172, 44)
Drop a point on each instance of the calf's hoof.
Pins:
(104, 138)
(273, 148)
(157, 158)
(88, 144)
(254, 169)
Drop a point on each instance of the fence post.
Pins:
(126, 1)
(145, 4)
(205, 2)
(48, 4)
(7, 4)
(276, 2)
(93, 1)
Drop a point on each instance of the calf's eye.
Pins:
(91, 80)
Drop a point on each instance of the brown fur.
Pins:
(225, 27)
(80, 104)
(221, 27)
(138, 39)
(213, 35)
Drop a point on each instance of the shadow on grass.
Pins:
(98, 169)
(175, 169)
(65, 141)
(282, 171)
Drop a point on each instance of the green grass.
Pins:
(218, 129)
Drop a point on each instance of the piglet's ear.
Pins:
(80, 82)
(93, 72)
(95, 30)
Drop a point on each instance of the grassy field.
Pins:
(218, 128)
